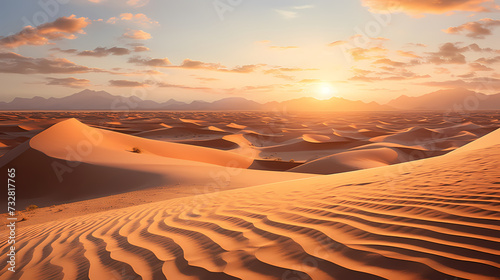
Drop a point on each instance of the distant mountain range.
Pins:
(452, 99)
(449, 99)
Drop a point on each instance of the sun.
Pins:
(326, 91)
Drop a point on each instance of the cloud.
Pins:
(72, 51)
(441, 70)
(281, 48)
(141, 19)
(408, 54)
(102, 52)
(14, 63)
(479, 67)
(61, 28)
(413, 7)
(167, 85)
(136, 35)
(337, 43)
(68, 82)
(475, 47)
(141, 49)
(416, 45)
(195, 64)
(155, 62)
(448, 53)
(491, 60)
(390, 62)
(137, 3)
(475, 29)
(468, 75)
(132, 3)
(390, 78)
(390, 73)
(287, 14)
(126, 83)
(205, 79)
(366, 53)
(309, 81)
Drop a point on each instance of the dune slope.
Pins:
(72, 161)
(436, 218)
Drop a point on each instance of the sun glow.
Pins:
(326, 91)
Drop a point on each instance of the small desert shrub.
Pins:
(31, 207)
(136, 150)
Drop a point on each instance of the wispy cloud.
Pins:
(293, 11)
(420, 7)
(139, 18)
(475, 29)
(68, 82)
(15, 63)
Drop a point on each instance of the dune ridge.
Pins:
(427, 219)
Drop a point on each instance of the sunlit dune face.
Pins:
(326, 91)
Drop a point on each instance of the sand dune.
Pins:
(350, 161)
(71, 161)
(427, 219)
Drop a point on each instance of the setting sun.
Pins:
(326, 91)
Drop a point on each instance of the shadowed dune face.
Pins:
(432, 219)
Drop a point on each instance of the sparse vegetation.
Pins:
(136, 150)
(31, 207)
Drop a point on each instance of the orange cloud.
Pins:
(195, 64)
(475, 29)
(137, 18)
(337, 43)
(136, 35)
(365, 53)
(408, 54)
(61, 28)
(68, 82)
(413, 7)
(14, 63)
(141, 49)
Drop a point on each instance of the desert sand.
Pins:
(255, 196)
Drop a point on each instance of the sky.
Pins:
(369, 50)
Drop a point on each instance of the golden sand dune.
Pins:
(72, 161)
(436, 218)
